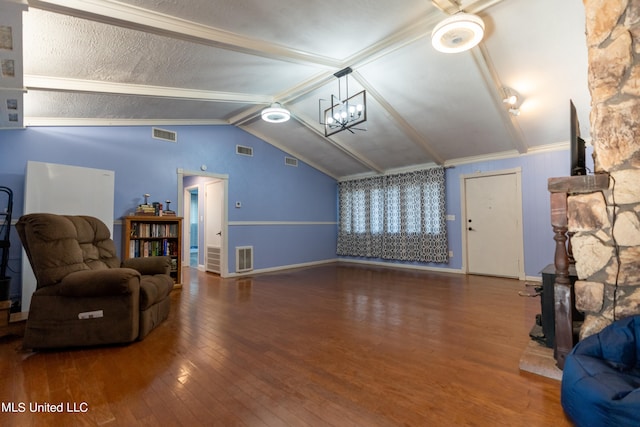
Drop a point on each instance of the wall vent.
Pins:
(290, 161)
(165, 135)
(245, 151)
(244, 258)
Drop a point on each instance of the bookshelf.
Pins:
(154, 235)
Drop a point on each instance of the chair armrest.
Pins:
(149, 265)
(98, 283)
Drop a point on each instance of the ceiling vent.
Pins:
(165, 135)
(245, 151)
(290, 161)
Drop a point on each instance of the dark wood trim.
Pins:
(560, 189)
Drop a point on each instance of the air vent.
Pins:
(245, 151)
(165, 135)
(290, 161)
(244, 258)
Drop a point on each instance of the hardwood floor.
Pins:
(336, 345)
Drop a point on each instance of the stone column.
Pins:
(606, 243)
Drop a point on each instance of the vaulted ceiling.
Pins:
(172, 62)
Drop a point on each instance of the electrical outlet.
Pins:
(450, 254)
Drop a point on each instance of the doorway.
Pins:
(192, 217)
(213, 199)
(205, 218)
(492, 223)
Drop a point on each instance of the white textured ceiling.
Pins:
(220, 62)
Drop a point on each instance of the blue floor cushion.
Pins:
(601, 377)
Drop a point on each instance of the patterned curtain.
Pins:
(399, 217)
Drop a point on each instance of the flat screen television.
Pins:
(577, 144)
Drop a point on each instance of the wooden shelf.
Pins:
(578, 184)
(154, 235)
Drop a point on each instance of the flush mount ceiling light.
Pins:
(275, 114)
(458, 33)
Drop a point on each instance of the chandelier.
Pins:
(343, 114)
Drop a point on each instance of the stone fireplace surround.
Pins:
(604, 225)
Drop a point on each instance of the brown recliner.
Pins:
(84, 295)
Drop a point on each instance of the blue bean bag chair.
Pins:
(601, 377)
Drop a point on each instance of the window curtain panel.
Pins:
(397, 217)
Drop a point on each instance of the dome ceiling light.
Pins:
(275, 114)
(457, 33)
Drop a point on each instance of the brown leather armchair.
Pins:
(84, 295)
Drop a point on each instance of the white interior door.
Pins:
(214, 199)
(493, 225)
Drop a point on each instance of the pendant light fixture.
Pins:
(343, 113)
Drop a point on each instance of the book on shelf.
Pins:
(147, 248)
(146, 210)
(153, 230)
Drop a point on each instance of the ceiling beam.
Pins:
(452, 7)
(494, 85)
(342, 147)
(136, 18)
(61, 84)
(288, 95)
(93, 121)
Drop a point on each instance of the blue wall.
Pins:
(539, 245)
(301, 201)
(268, 189)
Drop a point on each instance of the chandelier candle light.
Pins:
(343, 114)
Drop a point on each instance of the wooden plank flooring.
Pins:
(333, 345)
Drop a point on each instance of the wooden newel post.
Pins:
(562, 287)
(560, 189)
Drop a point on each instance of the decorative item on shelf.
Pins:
(146, 209)
(168, 212)
(457, 33)
(343, 114)
(157, 208)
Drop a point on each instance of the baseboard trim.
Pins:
(364, 262)
(404, 266)
(281, 267)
